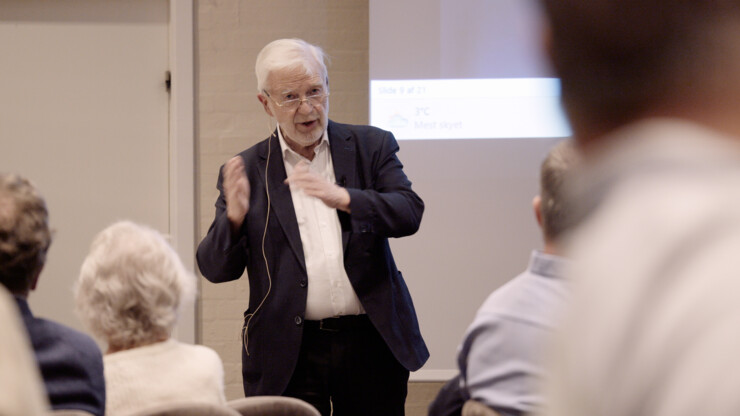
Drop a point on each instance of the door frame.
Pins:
(182, 151)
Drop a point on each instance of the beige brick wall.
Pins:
(229, 34)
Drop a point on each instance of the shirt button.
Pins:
(298, 320)
(303, 283)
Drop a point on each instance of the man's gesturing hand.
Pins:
(334, 196)
(236, 191)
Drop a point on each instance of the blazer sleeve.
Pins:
(222, 256)
(387, 206)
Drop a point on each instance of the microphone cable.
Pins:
(245, 331)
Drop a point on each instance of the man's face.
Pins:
(302, 122)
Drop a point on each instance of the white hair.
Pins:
(289, 53)
(131, 286)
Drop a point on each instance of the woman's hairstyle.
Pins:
(289, 53)
(131, 286)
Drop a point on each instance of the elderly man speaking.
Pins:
(308, 212)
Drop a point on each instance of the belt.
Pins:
(339, 323)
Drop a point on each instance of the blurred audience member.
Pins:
(70, 361)
(129, 292)
(652, 90)
(501, 356)
(21, 393)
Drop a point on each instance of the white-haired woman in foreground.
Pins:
(129, 292)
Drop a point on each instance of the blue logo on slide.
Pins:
(398, 121)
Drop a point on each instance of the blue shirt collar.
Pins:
(548, 265)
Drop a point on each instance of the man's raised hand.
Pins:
(236, 191)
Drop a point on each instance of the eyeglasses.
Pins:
(293, 103)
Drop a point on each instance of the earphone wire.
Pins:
(245, 332)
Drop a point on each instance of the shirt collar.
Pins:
(292, 155)
(548, 265)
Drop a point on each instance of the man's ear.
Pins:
(537, 207)
(265, 104)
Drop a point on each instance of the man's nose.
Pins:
(305, 106)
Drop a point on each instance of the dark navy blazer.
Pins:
(70, 362)
(383, 205)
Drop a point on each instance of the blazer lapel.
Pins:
(281, 201)
(343, 158)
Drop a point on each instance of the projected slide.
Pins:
(443, 72)
(502, 108)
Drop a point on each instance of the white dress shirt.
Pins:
(329, 291)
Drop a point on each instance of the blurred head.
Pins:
(293, 87)
(131, 286)
(551, 205)
(24, 234)
(621, 60)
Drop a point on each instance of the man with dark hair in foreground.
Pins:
(652, 90)
(70, 362)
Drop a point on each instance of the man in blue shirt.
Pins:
(500, 358)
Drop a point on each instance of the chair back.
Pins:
(188, 409)
(273, 406)
(476, 408)
(69, 412)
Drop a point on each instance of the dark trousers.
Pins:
(346, 369)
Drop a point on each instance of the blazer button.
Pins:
(303, 283)
(298, 320)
